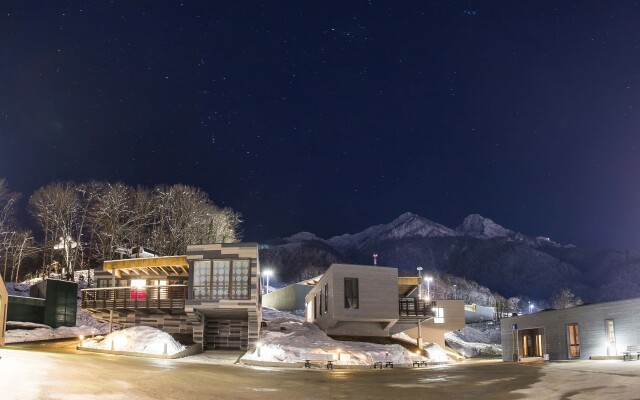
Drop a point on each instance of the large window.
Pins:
(221, 279)
(438, 315)
(326, 297)
(573, 331)
(611, 337)
(351, 299)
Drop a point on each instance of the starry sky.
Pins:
(331, 117)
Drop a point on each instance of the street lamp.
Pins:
(530, 308)
(420, 287)
(428, 279)
(455, 292)
(267, 273)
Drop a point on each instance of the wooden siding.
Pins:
(4, 305)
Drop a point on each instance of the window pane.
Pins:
(351, 293)
(201, 280)
(220, 279)
(240, 282)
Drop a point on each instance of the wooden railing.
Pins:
(146, 297)
(413, 307)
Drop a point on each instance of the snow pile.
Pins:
(434, 352)
(288, 337)
(138, 339)
(32, 335)
(481, 339)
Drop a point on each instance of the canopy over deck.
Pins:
(152, 266)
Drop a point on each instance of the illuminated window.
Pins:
(573, 331)
(138, 283)
(438, 315)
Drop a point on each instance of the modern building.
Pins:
(593, 330)
(210, 295)
(359, 300)
(4, 300)
(477, 313)
(51, 302)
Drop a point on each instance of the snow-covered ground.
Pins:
(480, 339)
(288, 337)
(138, 339)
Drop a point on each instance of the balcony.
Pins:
(413, 307)
(166, 297)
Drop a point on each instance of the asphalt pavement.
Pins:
(55, 370)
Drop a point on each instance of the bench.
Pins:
(632, 350)
(317, 357)
(387, 364)
(418, 361)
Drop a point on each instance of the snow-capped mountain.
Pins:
(506, 261)
(478, 226)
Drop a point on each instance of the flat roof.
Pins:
(170, 265)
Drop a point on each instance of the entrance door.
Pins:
(611, 337)
(573, 333)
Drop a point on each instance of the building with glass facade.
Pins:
(211, 295)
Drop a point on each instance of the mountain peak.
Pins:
(481, 227)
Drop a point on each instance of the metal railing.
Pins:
(413, 307)
(131, 297)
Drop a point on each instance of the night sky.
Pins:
(331, 117)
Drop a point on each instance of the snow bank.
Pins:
(481, 339)
(138, 339)
(31, 335)
(288, 337)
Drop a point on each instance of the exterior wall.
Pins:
(377, 298)
(4, 306)
(170, 323)
(432, 332)
(591, 319)
(476, 313)
(247, 310)
(288, 298)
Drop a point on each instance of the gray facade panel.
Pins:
(591, 322)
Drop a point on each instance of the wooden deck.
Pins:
(169, 297)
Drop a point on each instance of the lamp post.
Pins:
(428, 279)
(455, 292)
(420, 286)
(267, 273)
(530, 308)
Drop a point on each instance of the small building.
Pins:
(291, 297)
(593, 330)
(211, 294)
(4, 300)
(359, 300)
(477, 313)
(51, 302)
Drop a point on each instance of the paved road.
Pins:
(58, 371)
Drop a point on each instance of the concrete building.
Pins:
(289, 298)
(210, 295)
(4, 300)
(358, 300)
(476, 313)
(593, 330)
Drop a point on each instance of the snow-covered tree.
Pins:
(565, 298)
